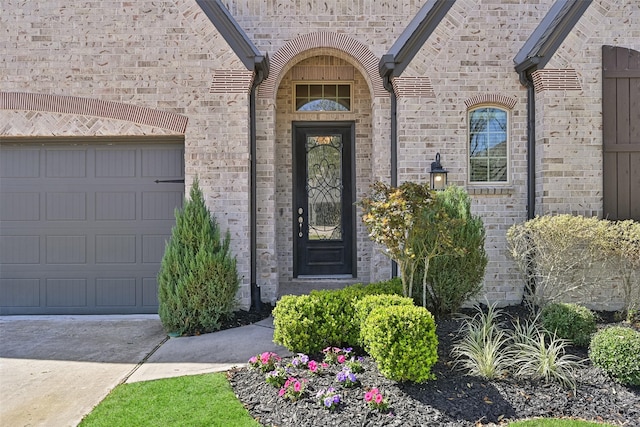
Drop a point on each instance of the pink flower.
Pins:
(253, 360)
(325, 365)
(378, 399)
(281, 392)
(368, 396)
(374, 391)
(313, 366)
(297, 386)
(341, 359)
(264, 357)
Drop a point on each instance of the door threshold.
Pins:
(325, 277)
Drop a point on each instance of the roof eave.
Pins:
(413, 38)
(235, 36)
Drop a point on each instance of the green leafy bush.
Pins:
(198, 279)
(616, 350)
(402, 340)
(367, 304)
(309, 323)
(572, 322)
(566, 256)
(454, 275)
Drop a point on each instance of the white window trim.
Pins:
(491, 184)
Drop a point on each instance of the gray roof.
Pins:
(549, 35)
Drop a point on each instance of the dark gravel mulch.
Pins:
(452, 399)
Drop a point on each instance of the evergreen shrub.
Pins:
(198, 279)
(402, 340)
(309, 323)
(455, 275)
(571, 322)
(367, 304)
(616, 350)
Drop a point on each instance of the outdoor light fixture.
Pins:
(438, 175)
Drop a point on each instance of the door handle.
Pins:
(300, 222)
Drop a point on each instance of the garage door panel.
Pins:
(66, 292)
(66, 163)
(114, 249)
(20, 292)
(116, 292)
(19, 250)
(162, 163)
(115, 206)
(66, 207)
(149, 292)
(115, 163)
(158, 205)
(20, 206)
(82, 231)
(66, 249)
(153, 248)
(20, 163)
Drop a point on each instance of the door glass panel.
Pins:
(324, 187)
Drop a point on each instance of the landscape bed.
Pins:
(452, 399)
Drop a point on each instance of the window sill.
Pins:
(484, 190)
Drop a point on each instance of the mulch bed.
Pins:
(452, 399)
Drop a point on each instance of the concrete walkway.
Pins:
(55, 369)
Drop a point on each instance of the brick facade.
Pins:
(166, 61)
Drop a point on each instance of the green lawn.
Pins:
(199, 400)
(542, 422)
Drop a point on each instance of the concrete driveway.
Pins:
(55, 369)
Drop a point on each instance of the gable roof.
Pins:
(549, 35)
(393, 63)
(238, 40)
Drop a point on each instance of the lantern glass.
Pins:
(438, 180)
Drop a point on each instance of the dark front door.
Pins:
(323, 209)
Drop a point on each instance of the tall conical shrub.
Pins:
(198, 279)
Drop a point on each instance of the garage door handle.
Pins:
(176, 181)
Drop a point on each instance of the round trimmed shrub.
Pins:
(366, 305)
(616, 350)
(571, 322)
(402, 340)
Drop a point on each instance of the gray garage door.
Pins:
(83, 225)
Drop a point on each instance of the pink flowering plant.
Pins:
(277, 377)
(333, 355)
(317, 368)
(293, 389)
(347, 378)
(376, 400)
(265, 361)
(329, 399)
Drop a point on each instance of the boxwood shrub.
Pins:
(572, 322)
(402, 340)
(367, 304)
(616, 350)
(309, 323)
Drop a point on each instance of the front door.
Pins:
(323, 209)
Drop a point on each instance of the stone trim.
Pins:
(556, 79)
(93, 107)
(231, 81)
(413, 87)
(491, 98)
(341, 42)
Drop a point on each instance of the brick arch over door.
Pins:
(334, 44)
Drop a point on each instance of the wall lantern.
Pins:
(438, 175)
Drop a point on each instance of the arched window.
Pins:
(488, 145)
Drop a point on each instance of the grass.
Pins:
(553, 422)
(198, 400)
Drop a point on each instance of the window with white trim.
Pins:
(488, 145)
